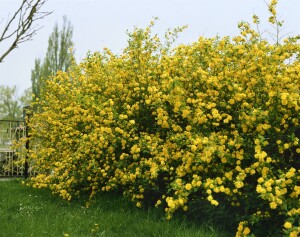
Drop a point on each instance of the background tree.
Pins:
(21, 26)
(36, 75)
(26, 98)
(11, 105)
(59, 57)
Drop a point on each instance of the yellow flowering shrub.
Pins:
(215, 120)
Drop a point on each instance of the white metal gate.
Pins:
(10, 131)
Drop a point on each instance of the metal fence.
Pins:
(11, 131)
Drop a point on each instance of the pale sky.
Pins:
(103, 23)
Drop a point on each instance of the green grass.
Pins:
(25, 211)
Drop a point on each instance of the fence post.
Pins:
(27, 111)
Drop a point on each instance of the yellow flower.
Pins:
(193, 148)
(246, 230)
(188, 186)
(294, 233)
(260, 180)
(185, 113)
(214, 202)
(158, 203)
(288, 225)
(273, 205)
(286, 146)
(231, 101)
(181, 201)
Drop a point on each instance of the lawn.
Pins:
(25, 211)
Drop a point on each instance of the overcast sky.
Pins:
(103, 23)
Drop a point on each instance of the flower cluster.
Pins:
(215, 120)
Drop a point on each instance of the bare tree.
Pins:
(21, 26)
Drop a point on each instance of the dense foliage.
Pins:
(215, 120)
